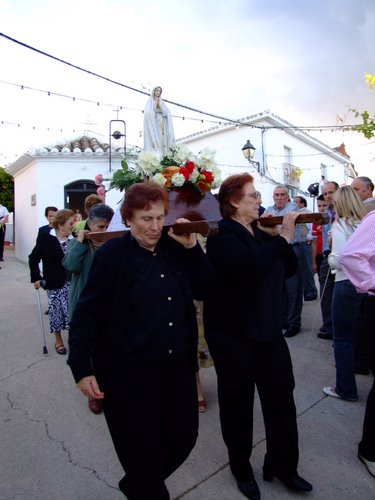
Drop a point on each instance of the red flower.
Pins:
(208, 176)
(190, 166)
(203, 186)
(187, 169)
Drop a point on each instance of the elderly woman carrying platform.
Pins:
(133, 341)
(243, 328)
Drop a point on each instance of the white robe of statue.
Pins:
(158, 133)
(116, 223)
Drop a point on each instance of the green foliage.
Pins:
(168, 161)
(124, 178)
(6, 190)
(367, 128)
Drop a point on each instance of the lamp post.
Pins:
(116, 135)
(248, 152)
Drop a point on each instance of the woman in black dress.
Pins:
(242, 322)
(133, 341)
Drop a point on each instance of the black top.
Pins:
(156, 292)
(247, 301)
(48, 250)
(44, 229)
(125, 306)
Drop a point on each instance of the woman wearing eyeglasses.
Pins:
(243, 328)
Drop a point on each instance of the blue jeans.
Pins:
(326, 280)
(293, 299)
(346, 315)
(309, 287)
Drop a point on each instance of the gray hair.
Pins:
(367, 182)
(280, 186)
(100, 212)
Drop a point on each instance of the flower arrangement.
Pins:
(179, 168)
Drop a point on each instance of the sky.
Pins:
(304, 61)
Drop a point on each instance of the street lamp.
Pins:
(248, 152)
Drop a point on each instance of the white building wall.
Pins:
(25, 214)
(269, 152)
(45, 177)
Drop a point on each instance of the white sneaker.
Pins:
(370, 466)
(331, 391)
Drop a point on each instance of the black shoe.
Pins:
(361, 371)
(325, 336)
(249, 488)
(292, 332)
(295, 483)
(313, 297)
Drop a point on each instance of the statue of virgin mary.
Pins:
(158, 131)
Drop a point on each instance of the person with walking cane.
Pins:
(50, 249)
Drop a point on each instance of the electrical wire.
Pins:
(221, 118)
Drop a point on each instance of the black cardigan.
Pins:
(49, 251)
(251, 271)
(98, 332)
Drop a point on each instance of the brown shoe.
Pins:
(202, 405)
(95, 405)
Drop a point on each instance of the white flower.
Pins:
(181, 154)
(178, 180)
(159, 179)
(194, 176)
(147, 164)
(216, 182)
(206, 158)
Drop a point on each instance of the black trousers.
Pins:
(362, 342)
(2, 240)
(367, 445)
(241, 365)
(152, 414)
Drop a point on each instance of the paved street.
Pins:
(53, 448)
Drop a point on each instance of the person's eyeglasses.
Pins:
(252, 195)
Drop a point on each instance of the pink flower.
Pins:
(99, 179)
(101, 192)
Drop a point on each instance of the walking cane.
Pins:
(42, 332)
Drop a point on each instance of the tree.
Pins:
(367, 128)
(6, 190)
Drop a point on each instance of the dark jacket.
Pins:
(250, 270)
(48, 250)
(98, 331)
(44, 229)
